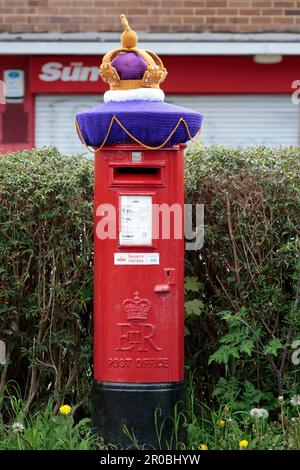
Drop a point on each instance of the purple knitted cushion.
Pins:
(149, 121)
(129, 65)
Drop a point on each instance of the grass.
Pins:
(213, 429)
(42, 430)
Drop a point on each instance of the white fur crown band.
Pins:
(144, 94)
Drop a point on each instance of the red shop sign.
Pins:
(186, 74)
(71, 74)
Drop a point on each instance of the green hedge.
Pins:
(244, 318)
(249, 269)
(46, 256)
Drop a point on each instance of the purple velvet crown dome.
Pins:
(134, 110)
(129, 65)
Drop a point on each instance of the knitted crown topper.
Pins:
(128, 67)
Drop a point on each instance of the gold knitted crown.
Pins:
(153, 76)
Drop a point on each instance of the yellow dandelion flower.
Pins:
(244, 444)
(65, 410)
(221, 422)
(203, 447)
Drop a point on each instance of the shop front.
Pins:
(244, 102)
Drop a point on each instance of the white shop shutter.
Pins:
(234, 120)
(55, 120)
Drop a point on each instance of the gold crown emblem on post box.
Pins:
(150, 76)
(137, 308)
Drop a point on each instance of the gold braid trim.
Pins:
(148, 147)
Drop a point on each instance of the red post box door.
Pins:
(139, 271)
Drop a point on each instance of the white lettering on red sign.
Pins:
(75, 72)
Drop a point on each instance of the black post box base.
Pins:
(147, 410)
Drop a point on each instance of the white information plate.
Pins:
(136, 258)
(135, 220)
(14, 81)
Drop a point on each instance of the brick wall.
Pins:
(150, 15)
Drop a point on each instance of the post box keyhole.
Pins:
(170, 275)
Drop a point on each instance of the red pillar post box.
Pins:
(139, 245)
(138, 287)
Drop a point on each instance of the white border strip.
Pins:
(145, 94)
(161, 48)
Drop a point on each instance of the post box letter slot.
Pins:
(137, 174)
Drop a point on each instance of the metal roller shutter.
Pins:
(55, 120)
(228, 119)
(236, 120)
